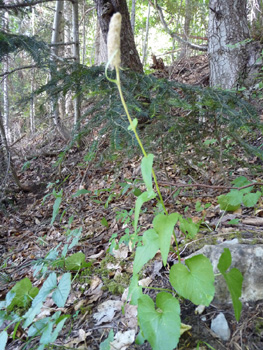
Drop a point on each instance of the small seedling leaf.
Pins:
(234, 280)
(105, 345)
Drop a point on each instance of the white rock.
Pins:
(248, 259)
(220, 327)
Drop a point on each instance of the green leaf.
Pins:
(147, 251)
(146, 167)
(104, 222)
(3, 339)
(233, 222)
(198, 206)
(231, 201)
(234, 280)
(242, 181)
(24, 292)
(49, 284)
(56, 205)
(143, 198)
(134, 124)
(251, 199)
(61, 293)
(160, 327)
(164, 226)
(195, 281)
(75, 261)
(135, 291)
(80, 192)
(105, 345)
(188, 227)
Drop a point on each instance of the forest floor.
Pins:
(27, 236)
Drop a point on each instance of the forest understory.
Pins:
(105, 215)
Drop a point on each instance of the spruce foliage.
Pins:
(172, 114)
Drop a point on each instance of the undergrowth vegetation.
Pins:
(170, 116)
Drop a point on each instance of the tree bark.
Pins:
(129, 55)
(227, 35)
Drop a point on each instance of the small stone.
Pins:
(220, 327)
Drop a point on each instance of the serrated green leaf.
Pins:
(195, 281)
(164, 226)
(75, 261)
(146, 168)
(251, 199)
(160, 327)
(105, 345)
(147, 251)
(234, 280)
(143, 198)
(242, 181)
(61, 293)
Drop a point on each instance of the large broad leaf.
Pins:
(161, 326)
(234, 280)
(143, 198)
(195, 281)
(61, 293)
(146, 167)
(147, 251)
(164, 226)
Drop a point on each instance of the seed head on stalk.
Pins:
(114, 41)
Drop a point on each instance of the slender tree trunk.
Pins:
(75, 21)
(227, 33)
(54, 40)
(32, 102)
(101, 54)
(187, 20)
(145, 44)
(133, 15)
(129, 55)
(5, 87)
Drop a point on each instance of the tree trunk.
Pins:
(5, 87)
(227, 34)
(54, 40)
(187, 20)
(129, 55)
(133, 15)
(75, 21)
(145, 44)
(101, 55)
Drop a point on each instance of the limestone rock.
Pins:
(248, 259)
